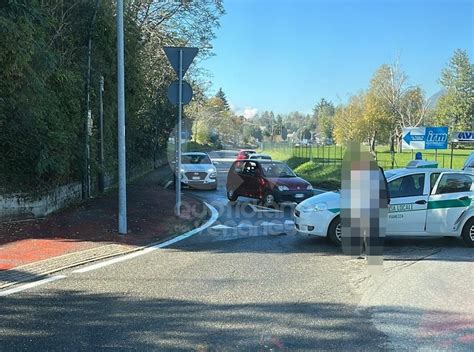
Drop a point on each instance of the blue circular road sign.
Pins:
(173, 93)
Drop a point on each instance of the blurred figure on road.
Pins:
(364, 205)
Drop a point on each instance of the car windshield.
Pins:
(275, 170)
(261, 157)
(389, 174)
(195, 159)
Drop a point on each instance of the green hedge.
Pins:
(42, 93)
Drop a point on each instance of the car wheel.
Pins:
(335, 231)
(231, 195)
(468, 233)
(268, 200)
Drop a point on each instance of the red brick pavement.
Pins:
(94, 223)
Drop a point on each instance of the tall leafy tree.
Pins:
(456, 107)
(405, 105)
(323, 113)
(348, 120)
(44, 60)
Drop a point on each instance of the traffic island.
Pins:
(88, 232)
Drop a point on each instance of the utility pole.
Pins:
(86, 181)
(101, 127)
(122, 206)
(87, 127)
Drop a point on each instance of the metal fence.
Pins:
(320, 154)
(333, 154)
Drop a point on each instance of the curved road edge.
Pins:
(119, 258)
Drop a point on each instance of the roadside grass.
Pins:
(278, 154)
(443, 158)
(331, 153)
(320, 175)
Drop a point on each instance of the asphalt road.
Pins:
(249, 283)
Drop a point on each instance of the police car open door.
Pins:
(450, 197)
(408, 204)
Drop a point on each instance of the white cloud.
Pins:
(249, 112)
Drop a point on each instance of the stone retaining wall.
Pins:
(19, 206)
(23, 206)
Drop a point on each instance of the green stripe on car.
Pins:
(449, 203)
(435, 204)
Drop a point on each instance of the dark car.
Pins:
(270, 181)
(244, 154)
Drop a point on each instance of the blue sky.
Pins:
(285, 55)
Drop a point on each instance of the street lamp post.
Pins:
(122, 215)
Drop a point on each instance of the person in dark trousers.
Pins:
(374, 241)
(364, 205)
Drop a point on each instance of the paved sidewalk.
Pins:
(87, 232)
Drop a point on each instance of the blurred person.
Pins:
(364, 204)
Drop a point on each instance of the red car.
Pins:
(244, 154)
(270, 181)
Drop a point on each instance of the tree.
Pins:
(213, 121)
(348, 120)
(221, 95)
(405, 105)
(252, 133)
(284, 133)
(456, 107)
(374, 125)
(44, 58)
(322, 119)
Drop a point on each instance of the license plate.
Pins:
(196, 178)
(299, 195)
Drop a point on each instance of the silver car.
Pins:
(198, 171)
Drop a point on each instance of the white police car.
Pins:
(423, 202)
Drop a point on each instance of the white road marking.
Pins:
(260, 209)
(115, 260)
(246, 225)
(31, 285)
(266, 223)
(221, 227)
(287, 223)
(214, 216)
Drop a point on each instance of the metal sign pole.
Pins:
(452, 153)
(179, 93)
(178, 139)
(101, 126)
